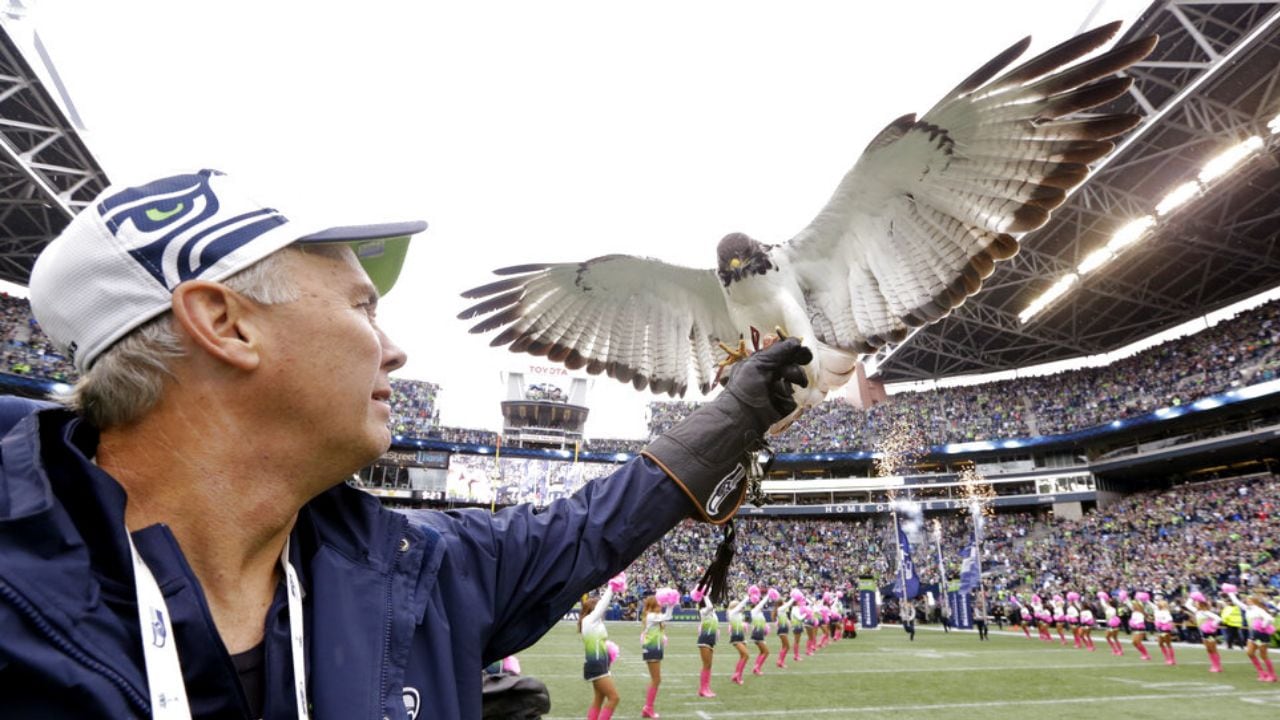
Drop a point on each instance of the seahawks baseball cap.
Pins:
(116, 264)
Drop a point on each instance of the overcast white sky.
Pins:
(524, 131)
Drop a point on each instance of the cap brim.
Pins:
(380, 248)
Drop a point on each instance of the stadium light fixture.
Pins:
(1274, 125)
(1178, 197)
(1229, 158)
(1094, 260)
(1130, 233)
(1054, 292)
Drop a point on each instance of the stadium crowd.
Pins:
(1170, 542)
(1241, 351)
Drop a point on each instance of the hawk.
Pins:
(911, 231)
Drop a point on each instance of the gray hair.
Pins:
(127, 379)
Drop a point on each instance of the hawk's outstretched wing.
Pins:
(639, 320)
(919, 221)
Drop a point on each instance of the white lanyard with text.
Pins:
(164, 672)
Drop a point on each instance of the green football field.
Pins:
(881, 674)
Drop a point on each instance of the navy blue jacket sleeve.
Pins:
(530, 566)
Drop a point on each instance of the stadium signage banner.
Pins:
(927, 506)
(400, 457)
(868, 606)
(961, 610)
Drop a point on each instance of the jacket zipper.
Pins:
(26, 608)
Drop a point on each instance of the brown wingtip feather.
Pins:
(1086, 96)
(494, 287)
(575, 360)
(983, 263)
(1061, 54)
(1026, 218)
(1047, 197)
(1003, 247)
(1086, 151)
(494, 322)
(992, 66)
(1066, 175)
(494, 303)
(521, 269)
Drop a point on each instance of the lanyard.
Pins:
(164, 672)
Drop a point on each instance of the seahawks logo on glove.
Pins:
(725, 488)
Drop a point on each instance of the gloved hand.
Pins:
(706, 453)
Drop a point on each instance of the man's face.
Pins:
(332, 362)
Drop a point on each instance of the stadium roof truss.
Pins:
(1212, 82)
(46, 173)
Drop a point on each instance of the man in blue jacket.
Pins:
(177, 540)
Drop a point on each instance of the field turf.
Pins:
(882, 674)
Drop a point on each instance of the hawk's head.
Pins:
(738, 256)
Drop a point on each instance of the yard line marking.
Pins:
(1244, 696)
(1120, 665)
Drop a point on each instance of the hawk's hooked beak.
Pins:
(735, 263)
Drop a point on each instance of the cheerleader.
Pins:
(797, 622)
(708, 630)
(1072, 614)
(1086, 626)
(1112, 622)
(1059, 617)
(600, 652)
(1262, 626)
(783, 616)
(760, 625)
(738, 637)
(823, 624)
(1026, 616)
(1043, 618)
(1164, 632)
(657, 612)
(1209, 624)
(1138, 623)
(812, 619)
(837, 622)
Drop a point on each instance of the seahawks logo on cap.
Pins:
(177, 228)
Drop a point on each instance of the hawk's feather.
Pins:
(638, 320)
(912, 230)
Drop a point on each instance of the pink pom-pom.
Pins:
(1035, 599)
(511, 664)
(753, 594)
(1103, 596)
(1230, 589)
(1057, 599)
(618, 583)
(773, 595)
(1142, 596)
(1198, 596)
(1122, 595)
(796, 595)
(612, 648)
(803, 602)
(1073, 596)
(667, 597)
(827, 597)
(697, 595)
